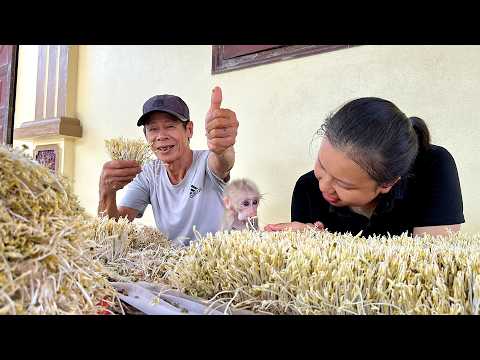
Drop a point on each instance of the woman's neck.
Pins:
(366, 210)
(362, 211)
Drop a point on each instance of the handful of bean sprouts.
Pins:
(129, 149)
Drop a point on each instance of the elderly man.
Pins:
(183, 186)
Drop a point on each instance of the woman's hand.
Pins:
(295, 225)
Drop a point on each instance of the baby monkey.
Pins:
(241, 198)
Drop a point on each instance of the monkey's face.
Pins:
(247, 208)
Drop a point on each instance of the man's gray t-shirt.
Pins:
(195, 201)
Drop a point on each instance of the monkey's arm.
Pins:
(228, 220)
(222, 163)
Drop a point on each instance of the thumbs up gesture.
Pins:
(220, 124)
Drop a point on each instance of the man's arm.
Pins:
(221, 164)
(221, 126)
(108, 206)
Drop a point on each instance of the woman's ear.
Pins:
(386, 187)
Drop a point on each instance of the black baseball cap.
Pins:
(170, 104)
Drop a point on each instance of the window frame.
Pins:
(284, 52)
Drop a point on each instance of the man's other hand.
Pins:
(116, 174)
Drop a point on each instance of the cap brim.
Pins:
(144, 117)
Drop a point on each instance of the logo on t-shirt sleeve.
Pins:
(194, 191)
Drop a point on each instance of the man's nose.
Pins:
(159, 136)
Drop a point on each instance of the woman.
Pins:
(377, 172)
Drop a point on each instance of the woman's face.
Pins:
(342, 181)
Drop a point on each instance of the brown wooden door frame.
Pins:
(7, 136)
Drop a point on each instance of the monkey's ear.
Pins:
(226, 202)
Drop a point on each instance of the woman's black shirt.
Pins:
(430, 195)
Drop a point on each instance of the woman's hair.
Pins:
(380, 138)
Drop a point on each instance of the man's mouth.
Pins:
(164, 149)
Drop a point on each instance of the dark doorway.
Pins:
(8, 81)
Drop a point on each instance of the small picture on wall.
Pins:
(47, 155)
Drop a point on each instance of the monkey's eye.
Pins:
(255, 202)
(245, 202)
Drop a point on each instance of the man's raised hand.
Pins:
(220, 124)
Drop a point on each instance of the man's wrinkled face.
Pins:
(168, 136)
